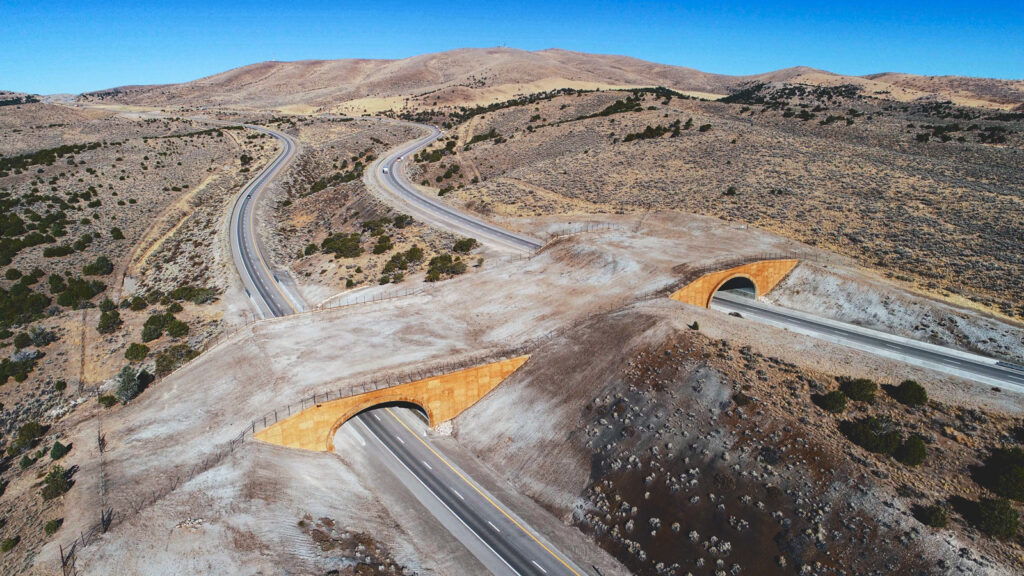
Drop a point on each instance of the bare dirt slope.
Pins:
(469, 76)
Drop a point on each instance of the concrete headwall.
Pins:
(442, 397)
(765, 274)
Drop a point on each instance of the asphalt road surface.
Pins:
(399, 191)
(502, 542)
(260, 283)
(489, 529)
(955, 362)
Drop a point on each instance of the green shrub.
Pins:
(107, 304)
(52, 526)
(28, 433)
(57, 283)
(58, 451)
(138, 303)
(193, 294)
(107, 401)
(79, 290)
(60, 385)
(127, 384)
(8, 544)
(56, 483)
(834, 401)
(116, 233)
(414, 254)
(464, 245)
(150, 333)
(383, 244)
(100, 267)
(22, 340)
(110, 321)
(872, 434)
(170, 359)
(17, 369)
(155, 326)
(176, 328)
(310, 250)
(444, 265)
(934, 516)
(57, 251)
(912, 452)
(12, 274)
(910, 393)
(26, 461)
(136, 352)
(1003, 473)
(997, 518)
(342, 245)
(858, 389)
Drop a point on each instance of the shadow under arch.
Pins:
(741, 283)
(375, 404)
(421, 412)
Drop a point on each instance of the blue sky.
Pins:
(86, 45)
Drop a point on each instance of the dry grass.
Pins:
(942, 216)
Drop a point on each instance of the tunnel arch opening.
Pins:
(740, 285)
(420, 410)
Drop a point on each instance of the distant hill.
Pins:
(473, 76)
(17, 98)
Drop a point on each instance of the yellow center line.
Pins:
(484, 496)
(252, 233)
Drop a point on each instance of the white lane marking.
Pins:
(399, 439)
(429, 467)
(539, 567)
(457, 494)
(377, 417)
(440, 501)
(493, 526)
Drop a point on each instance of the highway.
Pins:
(499, 533)
(955, 362)
(390, 180)
(502, 543)
(260, 283)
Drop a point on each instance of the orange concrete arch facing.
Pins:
(442, 397)
(765, 274)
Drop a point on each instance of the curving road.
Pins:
(390, 181)
(504, 544)
(260, 282)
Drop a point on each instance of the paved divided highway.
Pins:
(955, 362)
(398, 191)
(499, 533)
(260, 283)
(502, 542)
